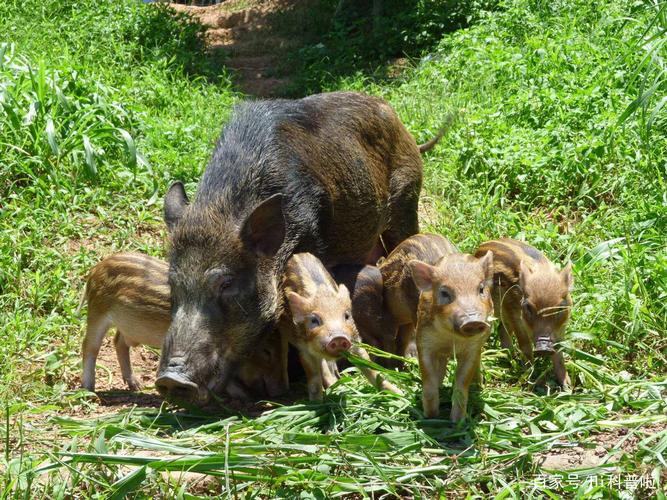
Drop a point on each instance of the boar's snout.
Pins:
(544, 346)
(174, 384)
(337, 345)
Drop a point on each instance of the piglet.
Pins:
(318, 322)
(532, 299)
(445, 297)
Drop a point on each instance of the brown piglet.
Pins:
(318, 321)
(401, 297)
(532, 299)
(445, 296)
(130, 291)
(375, 326)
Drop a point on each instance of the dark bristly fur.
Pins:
(130, 291)
(329, 174)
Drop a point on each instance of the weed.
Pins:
(562, 142)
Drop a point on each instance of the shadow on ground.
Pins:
(292, 48)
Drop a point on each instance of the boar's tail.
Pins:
(84, 298)
(427, 146)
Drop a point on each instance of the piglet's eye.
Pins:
(313, 321)
(444, 297)
(348, 315)
(528, 309)
(481, 288)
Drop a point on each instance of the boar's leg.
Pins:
(433, 367)
(281, 385)
(559, 369)
(123, 355)
(96, 329)
(236, 390)
(371, 375)
(467, 366)
(313, 368)
(403, 204)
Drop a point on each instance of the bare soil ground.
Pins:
(605, 447)
(242, 30)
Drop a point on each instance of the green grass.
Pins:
(562, 142)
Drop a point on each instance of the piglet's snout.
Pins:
(544, 346)
(471, 324)
(337, 345)
(474, 327)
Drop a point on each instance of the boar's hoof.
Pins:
(177, 387)
(338, 345)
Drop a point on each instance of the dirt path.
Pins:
(242, 30)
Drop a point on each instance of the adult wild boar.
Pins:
(336, 175)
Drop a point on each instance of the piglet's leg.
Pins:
(561, 372)
(468, 364)
(432, 367)
(330, 373)
(505, 339)
(98, 325)
(313, 368)
(371, 375)
(516, 326)
(123, 355)
(405, 341)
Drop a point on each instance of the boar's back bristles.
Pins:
(130, 278)
(507, 257)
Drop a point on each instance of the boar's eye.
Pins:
(313, 321)
(482, 289)
(444, 297)
(228, 286)
(348, 315)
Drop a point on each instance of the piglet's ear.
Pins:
(422, 274)
(263, 231)
(343, 292)
(568, 277)
(175, 203)
(487, 265)
(298, 306)
(524, 271)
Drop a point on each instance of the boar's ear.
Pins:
(524, 271)
(263, 231)
(568, 277)
(487, 265)
(175, 203)
(422, 274)
(298, 306)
